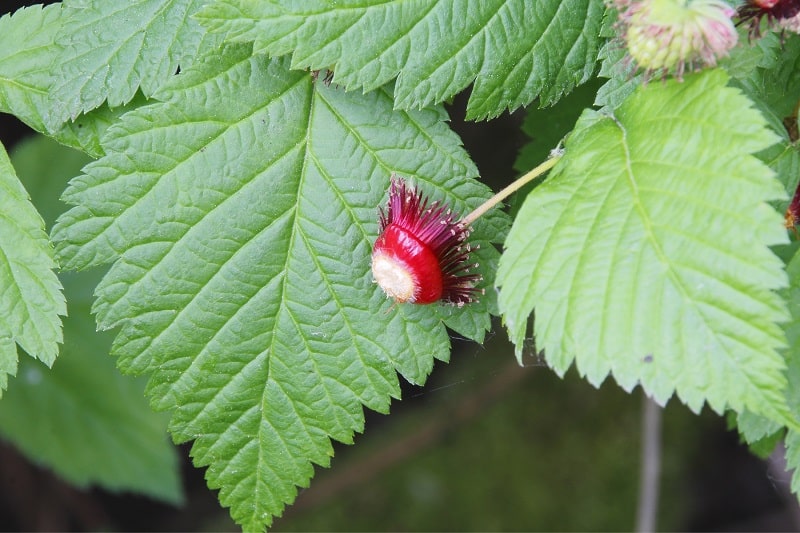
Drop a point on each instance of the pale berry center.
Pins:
(393, 277)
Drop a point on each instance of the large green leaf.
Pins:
(513, 50)
(30, 299)
(111, 49)
(646, 252)
(244, 208)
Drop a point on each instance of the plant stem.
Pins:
(650, 469)
(511, 189)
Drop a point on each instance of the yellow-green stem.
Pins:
(511, 189)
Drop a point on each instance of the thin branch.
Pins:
(650, 473)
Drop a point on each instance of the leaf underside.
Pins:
(245, 205)
(646, 252)
(512, 50)
(30, 293)
(93, 426)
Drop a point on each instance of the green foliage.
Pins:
(93, 425)
(792, 295)
(632, 230)
(109, 51)
(242, 277)
(434, 48)
(27, 51)
(31, 299)
(234, 200)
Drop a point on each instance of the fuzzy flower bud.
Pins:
(668, 35)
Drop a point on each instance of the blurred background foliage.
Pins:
(486, 445)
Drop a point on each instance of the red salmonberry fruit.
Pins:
(784, 14)
(421, 255)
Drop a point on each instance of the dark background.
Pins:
(486, 445)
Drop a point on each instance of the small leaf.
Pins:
(30, 299)
(776, 81)
(621, 74)
(616, 65)
(110, 50)
(646, 252)
(245, 208)
(512, 50)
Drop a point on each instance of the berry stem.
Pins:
(511, 189)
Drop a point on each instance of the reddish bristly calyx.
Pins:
(421, 255)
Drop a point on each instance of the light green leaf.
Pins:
(111, 49)
(646, 251)
(27, 53)
(83, 419)
(245, 206)
(756, 428)
(30, 299)
(513, 50)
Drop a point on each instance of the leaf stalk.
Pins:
(523, 180)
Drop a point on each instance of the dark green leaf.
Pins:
(241, 218)
(512, 50)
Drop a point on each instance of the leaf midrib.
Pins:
(675, 278)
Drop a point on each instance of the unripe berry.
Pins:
(666, 36)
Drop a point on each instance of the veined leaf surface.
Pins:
(245, 209)
(31, 299)
(513, 50)
(646, 253)
(27, 53)
(109, 50)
